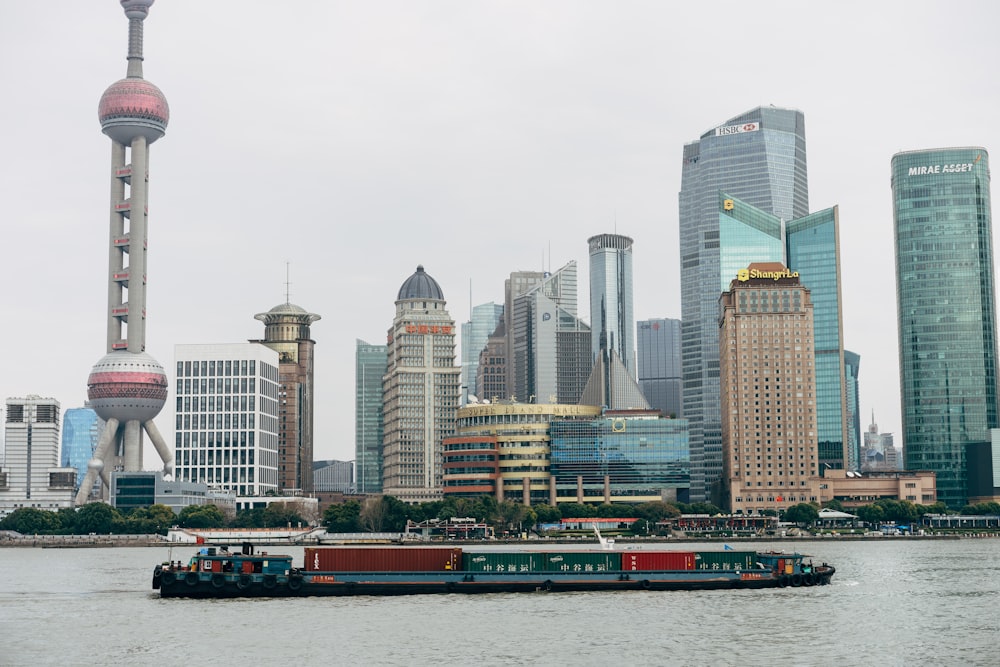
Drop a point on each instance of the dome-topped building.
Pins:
(421, 391)
(420, 286)
(287, 331)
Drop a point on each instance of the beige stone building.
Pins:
(768, 390)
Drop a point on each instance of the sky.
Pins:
(341, 144)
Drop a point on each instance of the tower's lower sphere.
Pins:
(132, 107)
(127, 386)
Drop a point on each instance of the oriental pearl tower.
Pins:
(127, 387)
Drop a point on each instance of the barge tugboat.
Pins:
(219, 573)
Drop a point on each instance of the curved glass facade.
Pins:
(946, 310)
(813, 250)
(641, 457)
(759, 157)
(81, 429)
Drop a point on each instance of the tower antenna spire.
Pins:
(128, 387)
(288, 282)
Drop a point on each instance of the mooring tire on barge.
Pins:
(243, 582)
(783, 581)
(270, 581)
(547, 585)
(809, 579)
(218, 580)
(295, 582)
(167, 578)
(191, 578)
(796, 580)
(645, 584)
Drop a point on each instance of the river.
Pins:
(899, 601)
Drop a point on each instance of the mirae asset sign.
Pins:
(940, 169)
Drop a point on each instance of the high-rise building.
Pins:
(659, 367)
(475, 333)
(31, 475)
(551, 357)
(768, 381)
(612, 322)
(227, 417)
(127, 387)
(760, 158)
(369, 368)
(421, 390)
(852, 368)
(287, 330)
(813, 251)
(878, 452)
(947, 315)
(81, 430)
(517, 284)
(491, 374)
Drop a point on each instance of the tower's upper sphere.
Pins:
(127, 386)
(420, 286)
(133, 107)
(137, 9)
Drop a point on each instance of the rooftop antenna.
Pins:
(288, 283)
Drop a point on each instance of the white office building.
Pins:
(227, 406)
(31, 475)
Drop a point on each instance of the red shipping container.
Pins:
(382, 559)
(644, 561)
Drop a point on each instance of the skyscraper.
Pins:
(475, 333)
(127, 387)
(227, 417)
(491, 373)
(421, 390)
(31, 475)
(81, 430)
(852, 369)
(287, 330)
(760, 158)
(659, 367)
(517, 284)
(812, 246)
(612, 322)
(768, 382)
(550, 343)
(946, 309)
(369, 368)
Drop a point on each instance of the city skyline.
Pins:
(548, 143)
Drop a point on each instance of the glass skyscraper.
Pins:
(946, 310)
(852, 368)
(612, 322)
(551, 358)
(659, 356)
(475, 333)
(370, 363)
(813, 251)
(81, 429)
(760, 158)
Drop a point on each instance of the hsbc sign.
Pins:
(736, 129)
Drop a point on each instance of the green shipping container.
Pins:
(511, 561)
(581, 561)
(724, 560)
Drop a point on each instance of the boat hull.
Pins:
(298, 584)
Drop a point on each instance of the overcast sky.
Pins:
(356, 140)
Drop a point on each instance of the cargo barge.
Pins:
(219, 573)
